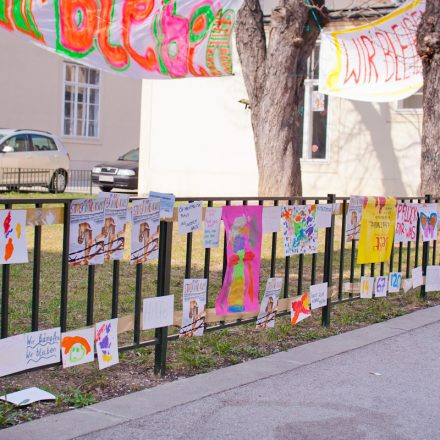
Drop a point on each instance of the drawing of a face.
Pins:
(77, 353)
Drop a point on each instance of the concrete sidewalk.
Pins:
(322, 390)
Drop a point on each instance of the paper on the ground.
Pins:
(77, 347)
(380, 287)
(324, 215)
(13, 355)
(394, 281)
(158, 312)
(106, 338)
(42, 347)
(166, 203)
(432, 279)
(211, 236)
(417, 277)
(27, 396)
(13, 243)
(194, 307)
(269, 304)
(367, 286)
(271, 219)
(407, 284)
(190, 217)
(318, 295)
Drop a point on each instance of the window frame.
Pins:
(75, 84)
(400, 109)
(51, 140)
(29, 148)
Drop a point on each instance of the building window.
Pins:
(81, 101)
(315, 110)
(412, 103)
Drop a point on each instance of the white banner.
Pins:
(140, 38)
(376, 62)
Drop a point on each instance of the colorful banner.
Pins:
(375, 62)
(299, 229)
(406, 222)
(140, 38)
(239, 293)
(377, 230)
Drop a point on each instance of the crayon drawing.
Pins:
(300, 308)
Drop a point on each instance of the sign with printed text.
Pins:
(377, 230)
(166, 203)
(377, 61)
(194, 307)
(140, 39)
(354, 217)
(269, 304)
(190, 217)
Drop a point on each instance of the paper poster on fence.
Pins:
(324, 215)
(115, 220)
(417, 276)
(140, 39)
(377, 61)
(106, 339)
(211, 235)
(367, 287)
(377, 230)
(300, 232)
(87, 234)
(318, 295)
(77, 347)
(269, 304)
(239, 292)
(432, 279)
(194, 307)
(300, 308)
(158, 312)
(380, 286)
(271, 219)
(189, 217)
(166, 203)
(428, 221)
(42, 347)
(145, 230)
(394, 282)
(354, 217)
(13, 355)
(406, 222)
(13, 243)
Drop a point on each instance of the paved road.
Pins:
(319, 391)
(336, 399)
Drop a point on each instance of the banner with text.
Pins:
(374, 62)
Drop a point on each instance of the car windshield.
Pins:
(131, 155)
(2, 135)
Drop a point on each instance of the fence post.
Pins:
(91, 183)
(163, 288)
(328, 263)
(425, 256)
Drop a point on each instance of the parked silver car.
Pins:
(32, 158)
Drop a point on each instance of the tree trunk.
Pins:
(428, 40)
(274, 74)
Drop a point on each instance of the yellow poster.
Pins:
(377, 230)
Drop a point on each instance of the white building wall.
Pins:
(31, 94)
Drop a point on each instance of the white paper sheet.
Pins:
(106, 338)
(394, 282)
(13, 355)
(417, 277)
(42, 347)
(432, 278)
(324, 215)
(407, 284)
(158, 312)
(380, 286)
(77, 347)
(27, 396)
(318, 295)
(190, 217)
(211, 236)
(367, 286)
(271, 219)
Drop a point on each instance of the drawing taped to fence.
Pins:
(145, 230)
(194, 307)
(87, 234)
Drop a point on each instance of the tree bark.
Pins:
(428, 40)
(274, 73)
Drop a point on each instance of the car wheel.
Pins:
(58, 182)
(105, 188)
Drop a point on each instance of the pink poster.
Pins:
(239, 293)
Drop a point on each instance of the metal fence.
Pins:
(19, 179)
(299, 272)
